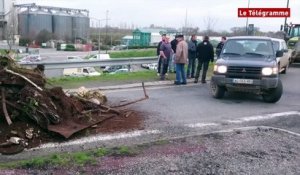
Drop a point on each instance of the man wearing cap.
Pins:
(181, 60)
(205, 53)
(163, 37)
(165, 55)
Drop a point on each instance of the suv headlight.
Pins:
(267, 71)
(220, 69)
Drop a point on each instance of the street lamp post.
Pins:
(99, 30)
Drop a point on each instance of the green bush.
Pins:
(24, 41)
(70, 47)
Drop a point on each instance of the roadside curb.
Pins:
(136, 85)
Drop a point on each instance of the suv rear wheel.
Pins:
(217, 91)
(273, 95)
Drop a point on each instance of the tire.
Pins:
(273, 95)
(217, 91)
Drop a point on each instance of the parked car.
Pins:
(152, 66)
(100, 57)
(74, 58)
(31, 58)
(296, 53)
(146, 66)
(249, 65)
(284, 61)
(120, 71)
(86, 71)
(109, 69)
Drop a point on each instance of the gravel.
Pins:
(258, 151)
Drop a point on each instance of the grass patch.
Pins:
(82, 158)
(133, 53)
(161, 142)
(101, 152)
(70, 159)
(74, 82)
(112, 79)
(124, 151)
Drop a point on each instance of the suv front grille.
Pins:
(244, 72)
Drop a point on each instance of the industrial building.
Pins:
(64, 23)
(5, 16)
(149, 36)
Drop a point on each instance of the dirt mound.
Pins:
(31, 114)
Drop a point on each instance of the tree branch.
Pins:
(8, 120)
(25, 78)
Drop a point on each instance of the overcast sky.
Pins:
(172, 13)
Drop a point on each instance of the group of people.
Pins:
(176, 54)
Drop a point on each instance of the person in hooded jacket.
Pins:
(205, 53)
(220, 46)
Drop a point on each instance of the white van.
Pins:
(100, 57)
(86, 71)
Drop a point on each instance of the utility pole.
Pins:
(99, 22)
(247, 19)
(287, 6)
(106, 28)
(185, 23)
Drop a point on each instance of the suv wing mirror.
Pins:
(279, 53)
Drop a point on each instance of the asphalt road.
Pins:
(193, 103)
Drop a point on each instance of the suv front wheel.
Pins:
(273, 95)
(217, 91)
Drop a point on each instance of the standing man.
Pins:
(192, 46)
(220, 46)
(163, 37)
(165, 55)
(181, 60)
(205, 53)
(172, 61)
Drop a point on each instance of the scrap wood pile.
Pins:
(24, 97)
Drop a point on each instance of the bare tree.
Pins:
(210, 24)
(11, 28)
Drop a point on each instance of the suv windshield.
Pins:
(248, 47)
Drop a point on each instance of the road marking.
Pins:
(249, 128)
(244, 119)
(201, 125)
(263, 117)
(92, 139)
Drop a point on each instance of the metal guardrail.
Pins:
(92, 63)
(56, 69)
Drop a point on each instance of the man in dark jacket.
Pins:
(192, 45)
(205, 53)
(172, 64)
(220, 46)
(163, 37)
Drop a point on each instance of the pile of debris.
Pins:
(25, 98)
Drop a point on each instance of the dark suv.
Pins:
(248, 64)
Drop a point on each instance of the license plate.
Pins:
(243, 81)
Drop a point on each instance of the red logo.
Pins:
(264, 12)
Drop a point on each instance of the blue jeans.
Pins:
(180, 74)
(191, 68)
(171, 63)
